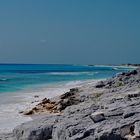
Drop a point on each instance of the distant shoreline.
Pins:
(129, 64)
(117, 66)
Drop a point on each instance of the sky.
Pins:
(70, 31)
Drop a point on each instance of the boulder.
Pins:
(67, 95)
(128, 114)
(97, 117)
(100, 84)
(39, 129)
(134, 95)
(74, 90)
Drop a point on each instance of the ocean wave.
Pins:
(72, 73)
(116, 68)
(120, 68)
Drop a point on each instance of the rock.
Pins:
(128, 114)
(29, 112)
(67, 94)
(36, 96)
(72, 128)
(137, 130)
(134, 95)
(45, 100)
(134, 72)
(34, 101)
(66, 102)
(74, 90)
(39, 129)
(21, 112)
(97, 117)
(114, 112)
(100, 84)
(8, 136)
(110, 136)
(136, 138)
(127, 130)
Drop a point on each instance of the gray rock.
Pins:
(134, 95)
(8, 136)
(115, 112)
(39, 129)
(128, 114)
(97, 117)
(72, 92)
(100, 84)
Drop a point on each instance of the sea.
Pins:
(20, 83)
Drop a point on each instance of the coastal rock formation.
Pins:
(109, 110)
(121, 80)
(57, 106)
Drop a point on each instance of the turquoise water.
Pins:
(15, 77)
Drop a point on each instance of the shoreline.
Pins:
(120, 66)
(28, 100)
(104, 109)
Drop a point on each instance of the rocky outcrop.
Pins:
(39, 129)
(109, 110)
(56, 106)
(123, 79)
(7, 136)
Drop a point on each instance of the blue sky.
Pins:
(70, 31)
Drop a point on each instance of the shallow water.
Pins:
(19, 77)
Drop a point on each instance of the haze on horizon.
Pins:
(70, 32)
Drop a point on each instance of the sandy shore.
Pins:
(12, 105)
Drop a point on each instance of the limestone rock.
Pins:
(97, 117)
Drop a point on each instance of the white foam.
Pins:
(10, 117)
(72, 73)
